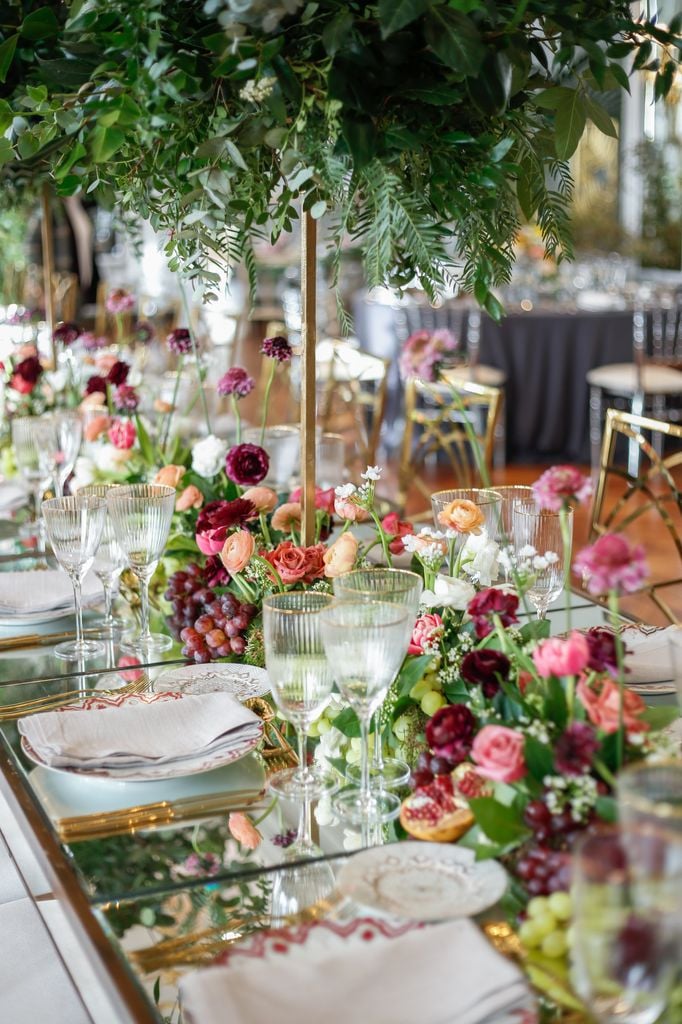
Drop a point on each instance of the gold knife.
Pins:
(10, 643)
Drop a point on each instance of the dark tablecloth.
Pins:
(546, 356)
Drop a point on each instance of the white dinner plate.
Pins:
(422, 881)
(203, 762)
(241, 681)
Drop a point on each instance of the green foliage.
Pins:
(420, 125)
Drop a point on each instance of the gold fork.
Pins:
(54, 701)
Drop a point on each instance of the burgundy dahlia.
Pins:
(126, 398)
(29, 369)
(66, 333)
(485, 669)
(450, 733)
(236, 382)
(179, 341)
(118, 374)
(492, 602)
(602, 647)
(277, 348)
(217, 518)
(247, 464)
(96, 384)
(575, 749)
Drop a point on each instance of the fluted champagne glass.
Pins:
(74, 526)
(365, 643)
(109, 560)
(301, 681)
(141, 515)
(68, 428)
(540, 552)
(26, 445)
(510, 495)
(392, 586)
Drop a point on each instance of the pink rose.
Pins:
(346, 509)
(122, 434)
(324, 499)
(426, 630)
(287, 517)
(340, 557)
(263, 499)
(498, 752)
(191, 497)
(237, 550)
(169, 475)
(567, 657)
(95, 427)
(601, 699)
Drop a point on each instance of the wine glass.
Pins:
(74, 526)
(60, 444)
(510, 494)
(488, 501)
(625, 951)
(392, 586)
(365, 643)
(300, 679)
(25, 439)
(650, 795)
(539, 552)
(109, 560)
(141, 515)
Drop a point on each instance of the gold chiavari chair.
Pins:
(650, 499)
(457, 421)
(351, 395)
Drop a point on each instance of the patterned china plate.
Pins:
(144, 773)
(241, 681)
(422, 881)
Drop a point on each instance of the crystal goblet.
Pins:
(540, 554)
(25, 440)
(109, 560)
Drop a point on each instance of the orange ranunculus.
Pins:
(340, 557)
(97, 426)
(287, 516)
(264, 498)
(191, 497)
(243, 830)
(601, 700)
(462, 515)
(170, 475)
(237, 550)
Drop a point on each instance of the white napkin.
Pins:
(140, 733)
(12, 496)
(439, 974)
(649, 658)
(42, 590)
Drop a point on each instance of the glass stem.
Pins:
(145, 635)
(302, 744)
(378, 749)
(37, 499)
(365, 792)
(304, 838)
(76, 582)
(108, 594)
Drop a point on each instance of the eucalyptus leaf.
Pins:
(569, 123)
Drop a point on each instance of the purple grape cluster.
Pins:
(210, 625)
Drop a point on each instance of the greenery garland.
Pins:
(422, 128)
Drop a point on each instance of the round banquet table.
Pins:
(546, 354)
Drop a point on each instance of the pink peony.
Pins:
(560, 486)
(122, 434)
(601, 699)
(424, 351)
(427, 630)
(498, 752)
(612, 563)
(556, 657)
(215, 521)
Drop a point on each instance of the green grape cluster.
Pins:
(427, 693)
(546, 926)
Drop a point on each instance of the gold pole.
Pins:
(48, 266)
(308, 395)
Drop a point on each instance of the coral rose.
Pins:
(297, 564)
(170, 475)
(191, 497)
(105, 361)
(498, 752)
(556, 657)
(263, 499)
(237, 550)
(462, 515)
(601, 699)
(97, 426)
(340, 557)
(287, 517)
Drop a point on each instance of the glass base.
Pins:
(74, 651)
(148, 646)
(112, 629)
(380, 808)
(393, 774)
(293, 784)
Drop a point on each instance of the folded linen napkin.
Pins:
(12, 496)
(135, 733)
(42, 590)
(649, 657)
(439, 974)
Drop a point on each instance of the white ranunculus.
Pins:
(480, 558)
(208, 456)
(109, 459)
(83, 473)
(448, 592)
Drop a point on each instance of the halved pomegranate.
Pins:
(435, 813)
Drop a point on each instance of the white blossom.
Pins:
(344, 490)
(109, 459)
(208, 456)
(256, 91)
(372, 473)
(448, 592)
(83, 473)
(480, 558)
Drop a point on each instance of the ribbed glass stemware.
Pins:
(109, 560)
(141, 515)
(391, 586)
(74, 526)
(540, 552)
(25, 440)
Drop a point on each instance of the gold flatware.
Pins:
(100, 825)
(21, 709)
(10, 643)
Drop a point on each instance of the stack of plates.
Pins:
(40, 595)
(12, 497)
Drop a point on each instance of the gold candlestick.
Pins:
(308, 393)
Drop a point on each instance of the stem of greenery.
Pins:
(382, 538)
(264, 529)
(620, 658)
(237, 419)
(174, 399)
(266, 400)
(204, 404)
(565, 524)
